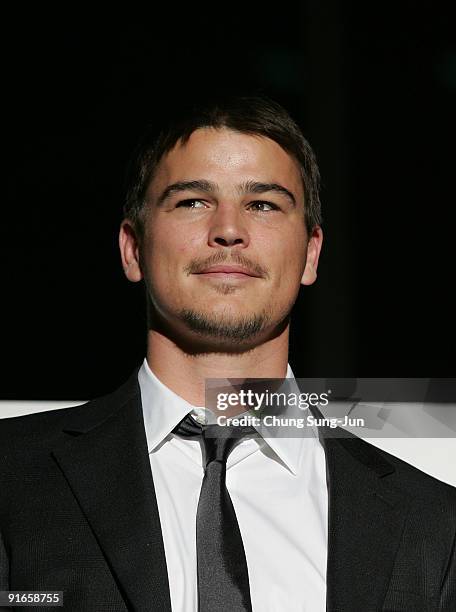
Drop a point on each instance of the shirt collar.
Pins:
(163, 410)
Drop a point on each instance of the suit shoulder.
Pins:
(413, 480)
(36, 421)
(44, 425)
(398, 472)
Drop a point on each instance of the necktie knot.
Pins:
(218, 440)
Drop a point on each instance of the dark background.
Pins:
(373, 87)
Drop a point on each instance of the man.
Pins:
(118, 506)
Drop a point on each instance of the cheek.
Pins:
(162, 245)
(166, 254)
(291, 260)
(170, 237)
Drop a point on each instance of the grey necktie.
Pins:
(223, 580)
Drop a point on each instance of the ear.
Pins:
(313, 254)
(129, 251)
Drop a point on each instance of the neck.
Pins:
(185, 373)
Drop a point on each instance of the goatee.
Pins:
(222, 328)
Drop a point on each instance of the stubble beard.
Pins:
(225, 329)
(222, 332)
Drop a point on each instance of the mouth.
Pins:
(228, 272)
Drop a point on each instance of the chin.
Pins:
(224, 325)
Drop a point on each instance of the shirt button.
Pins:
(199, 417)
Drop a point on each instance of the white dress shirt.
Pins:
(279, 493)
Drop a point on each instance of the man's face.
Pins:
(225, 241)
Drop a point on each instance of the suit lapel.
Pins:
(107, 467)
(366, 517)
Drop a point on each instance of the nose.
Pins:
(228, 228)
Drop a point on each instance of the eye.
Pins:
(193, 203)
(261, 206)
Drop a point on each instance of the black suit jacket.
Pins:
(78, 514)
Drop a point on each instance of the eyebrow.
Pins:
(210, 187)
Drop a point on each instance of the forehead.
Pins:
(224, 156)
